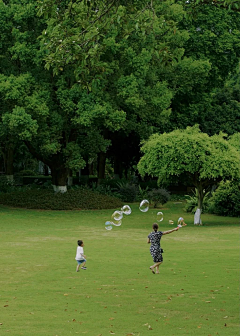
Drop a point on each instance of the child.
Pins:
(80, 257)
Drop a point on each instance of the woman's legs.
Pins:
(157, 268)
(155, 265)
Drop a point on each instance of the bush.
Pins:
(226, 200)
(5, 184)
(192, 202)
(142, 193)
(26, 173)
(158, 196)
(73, 199)
(127, 192)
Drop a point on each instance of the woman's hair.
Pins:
(79, 242)
(155, 227)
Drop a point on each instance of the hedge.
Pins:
(72, 200)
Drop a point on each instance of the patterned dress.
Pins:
(155, 248)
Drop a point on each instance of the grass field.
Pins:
(196, 292)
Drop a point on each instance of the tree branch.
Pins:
(34, 153)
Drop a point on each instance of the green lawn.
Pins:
(196, 292)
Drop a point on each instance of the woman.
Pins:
(155, 249)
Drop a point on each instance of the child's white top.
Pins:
(79, 254)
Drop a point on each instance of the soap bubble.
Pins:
(171, 221)
(108, 225)
(159, 216)
(144, 206)
(116, 222)
(117, 215)
(126, 210)
(180, 221)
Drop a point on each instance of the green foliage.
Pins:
(142, 193)
(234, 140)
(158, 196)
(192, 202)
(213, 38)
(116, 72)
(26, 173)
(73, 199)
(189, 152)
(227, 4)
(104, 189)
(127, 192)
(6, 184)
(226, 200)
(192, 156)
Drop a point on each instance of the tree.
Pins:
(53, 115)
(213, 37)
(234, 140)
(189, 154)
(233, 5)
(129, 56)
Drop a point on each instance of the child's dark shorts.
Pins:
(81, 261)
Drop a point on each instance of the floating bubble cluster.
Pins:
(117, 216)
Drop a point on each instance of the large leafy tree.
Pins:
(52, 114)
(127, 55)
(14, 77)
(213, 36)
(188, 154)
(226, 4)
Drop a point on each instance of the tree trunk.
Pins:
(200, 195)
(117, 168)
(101, 166)
(85, 172)
(59, 172)
(8, 156)
(59, 179)
(70, 178)
(45, 167)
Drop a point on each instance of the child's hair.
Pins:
(79, 242)
(155, 227)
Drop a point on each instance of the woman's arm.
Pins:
(170, 231)
(148, 241)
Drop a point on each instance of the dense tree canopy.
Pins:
(214, 37)
(80, 79)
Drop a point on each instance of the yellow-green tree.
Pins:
(196, 157)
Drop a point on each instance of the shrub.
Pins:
(158, 196)
(73, 199)
(192, 202)
(151, 184)
(127, 192)
(5, 184)
(226, 200)
(104, 189)
(26, 172)
(142, 193)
